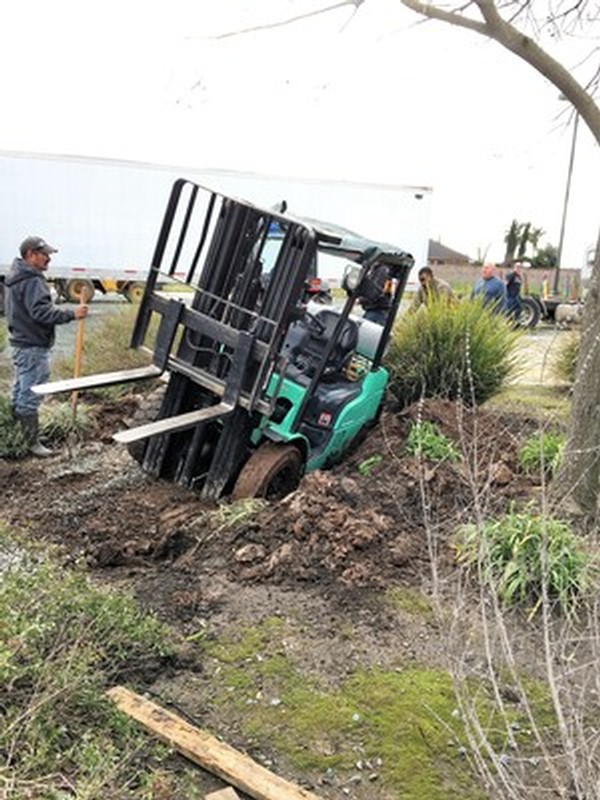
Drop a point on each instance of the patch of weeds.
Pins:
(409, 600)
(520, 552)
(542, 452)
(228, 515)
(366, 466)
(399, 721)
(62, 643)
(57, 422)
(564, 365)
(13, 443)
(425, 440)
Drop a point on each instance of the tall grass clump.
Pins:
(107, 350)
(62, 643)
(3, 336)
(58, 423)
(524, 555)
(565, 361)
(453, 351)
(13, 443)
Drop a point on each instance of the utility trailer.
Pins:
(261, 387)
(103, 214)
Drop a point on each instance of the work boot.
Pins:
(31, 427)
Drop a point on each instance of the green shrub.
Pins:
(451, 351)
(542, 452)
(425, 440)
(57, 422)
(62, 643)
(107, 350)
(13, 443)
(511, 553)
(565, 361)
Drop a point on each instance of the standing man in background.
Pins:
(491, 289)
(514, 282)
(32, 317)
(431, 288)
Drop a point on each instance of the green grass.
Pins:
(399, 720)
(62, 643)
(12, 439)
(108, 351)
(565, 361)
(540, 402)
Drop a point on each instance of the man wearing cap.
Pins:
(32, 317)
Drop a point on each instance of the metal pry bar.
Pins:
(101, 379)
(171, 424)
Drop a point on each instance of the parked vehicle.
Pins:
(102, 215)
(261, 387)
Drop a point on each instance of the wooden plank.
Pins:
(223, 794)
(217, 757)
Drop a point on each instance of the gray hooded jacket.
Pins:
(30, 313)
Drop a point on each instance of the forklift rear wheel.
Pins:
(272, 472)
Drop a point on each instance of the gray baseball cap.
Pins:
(36, 243)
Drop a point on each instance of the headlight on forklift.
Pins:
(351, 280)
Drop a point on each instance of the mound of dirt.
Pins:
(378, 515)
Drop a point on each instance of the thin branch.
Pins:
(293, 20)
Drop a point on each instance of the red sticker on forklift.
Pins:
(324, 419)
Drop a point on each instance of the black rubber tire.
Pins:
(272, 472)
(147, 411)
(530, 313)
(76, 286)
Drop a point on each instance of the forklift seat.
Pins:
(308, 339)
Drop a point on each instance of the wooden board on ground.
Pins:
(217, 757)
(223, 794)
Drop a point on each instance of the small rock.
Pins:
(249, 553)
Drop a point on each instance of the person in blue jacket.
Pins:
(491, 289)
(32, 317)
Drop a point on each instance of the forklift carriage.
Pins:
(261, 387)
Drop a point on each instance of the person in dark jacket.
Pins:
(514, 282)
(32, 317)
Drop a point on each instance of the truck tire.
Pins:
(147, 411)
(134, 292)
(272, 472)
(75, 287)
(530, 313)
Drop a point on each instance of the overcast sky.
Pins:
(377, 96)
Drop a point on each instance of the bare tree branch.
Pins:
(293, 20)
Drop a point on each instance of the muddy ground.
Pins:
(323, 556)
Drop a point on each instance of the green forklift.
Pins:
(259, 385)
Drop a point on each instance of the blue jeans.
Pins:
(32, 366)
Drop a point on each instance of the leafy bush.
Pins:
(451, 351)
(108, 350)
(57, 422)
(62, 643)
(512, 550)
(565, 361)
(542, 452)
(12, 439)
(426, 441)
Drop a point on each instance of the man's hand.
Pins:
(81, 312)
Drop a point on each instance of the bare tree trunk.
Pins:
(577, 483)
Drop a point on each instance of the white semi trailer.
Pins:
(104, 215)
